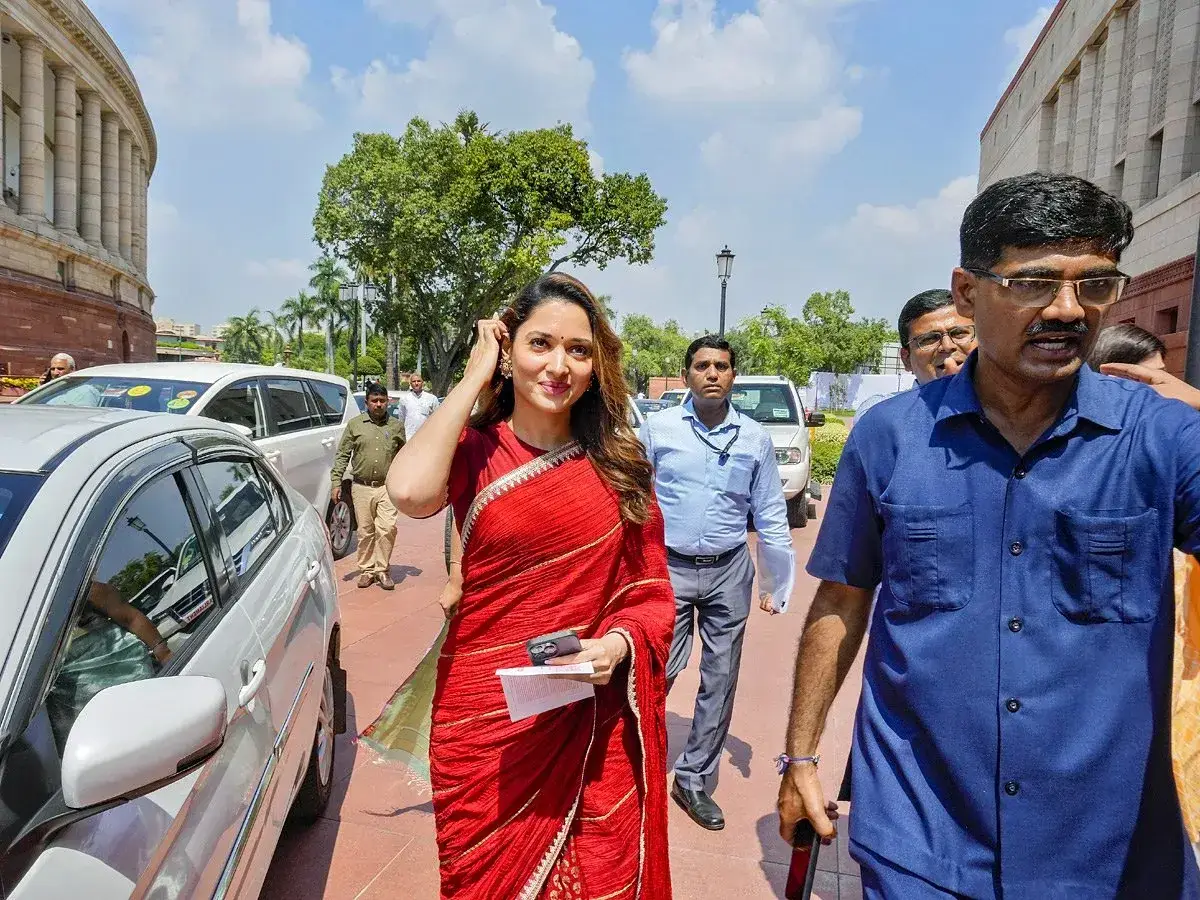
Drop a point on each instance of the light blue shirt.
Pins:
(706, 502)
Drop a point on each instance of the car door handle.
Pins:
(328, 442)
(272, 455)
(258, 674)
(314, 569)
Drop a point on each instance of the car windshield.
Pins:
(16, 491)
(119, 392)
(770, 404)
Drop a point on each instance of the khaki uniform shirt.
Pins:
(369, 449)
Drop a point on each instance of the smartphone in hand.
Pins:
(551, 646)
(803, 870)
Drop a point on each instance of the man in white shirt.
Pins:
(417, 405)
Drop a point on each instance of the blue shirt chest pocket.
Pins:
(736, 475)
(928, 555)
(1107, 568)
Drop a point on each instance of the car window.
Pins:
(118, 392)
(241, 508)
(280, 509)
(146, 599)
(239, 404)
(771, 404)
(16, 492)
(291, 406)
(331, 400)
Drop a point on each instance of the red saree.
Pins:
(570, 804)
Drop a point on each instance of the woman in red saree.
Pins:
(553, 499)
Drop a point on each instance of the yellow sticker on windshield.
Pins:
(178, 403)
(186, 395)
(139, 390)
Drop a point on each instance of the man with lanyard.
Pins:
(1013, 736)
(416, 405)
(369, 445)
(714, 468)
(935, 340)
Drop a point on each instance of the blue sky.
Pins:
(831, 143)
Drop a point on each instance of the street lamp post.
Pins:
(348, 295)
(724, 271)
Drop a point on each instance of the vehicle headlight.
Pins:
(788, 456)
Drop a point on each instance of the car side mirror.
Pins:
(244, 430)
(133, 738)
(814, 419)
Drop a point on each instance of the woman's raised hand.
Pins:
(485, 355)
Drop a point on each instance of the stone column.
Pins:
(33, 128)
(1178, 145)
(1084, 110)
(1139, 155)
(1106, 140)
(1063, 124)
(66, 160)
(138, 176)
(89, 186)
(110, 184)
(144, 201)
(125, 147)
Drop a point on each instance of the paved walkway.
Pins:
(377, 837)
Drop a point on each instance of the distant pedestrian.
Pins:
(1012, 738)
(714, 469)
(416, 405)
(368, 446)
(935, 340)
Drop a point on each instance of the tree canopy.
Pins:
(451, 220)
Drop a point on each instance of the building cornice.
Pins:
(1058, 8)
(86, 32)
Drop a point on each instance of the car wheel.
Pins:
(341, 527)
(797, 510)
(314, 792)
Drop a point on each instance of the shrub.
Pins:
(827, 444)
(24, 384)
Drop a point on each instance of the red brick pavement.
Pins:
(376, 840)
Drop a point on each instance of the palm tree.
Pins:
(279, 332)
(244, 338)
(328, 277)
(303, 308)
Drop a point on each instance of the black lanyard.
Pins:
(722, 453)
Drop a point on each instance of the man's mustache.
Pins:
(1074, 329)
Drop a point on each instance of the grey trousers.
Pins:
(717, 600)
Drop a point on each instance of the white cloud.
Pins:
(774, 76)
(278, 269)
(1020, 39)
(213, 64)
(884, 254)
(506, 59)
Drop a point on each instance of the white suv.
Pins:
(773, 402)
(296, 417)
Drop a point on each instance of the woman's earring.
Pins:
(506, 366)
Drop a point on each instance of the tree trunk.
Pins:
(393, 360)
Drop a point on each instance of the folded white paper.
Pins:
(532, 689)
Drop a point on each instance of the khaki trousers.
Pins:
(376, 528)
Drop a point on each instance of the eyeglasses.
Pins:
(961, 335)
(1100, 292)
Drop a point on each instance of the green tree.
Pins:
(651, 349)
(245, 338)
(839, 343)
(302, 308)
(452, 220)
(137, 573)
(280, 332)
(328, 277)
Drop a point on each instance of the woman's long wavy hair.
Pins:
(599, 419)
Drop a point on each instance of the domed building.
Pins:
(77, 149)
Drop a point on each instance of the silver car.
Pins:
(170, 682)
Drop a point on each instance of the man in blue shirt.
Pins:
(1013, 733)
(714, 468)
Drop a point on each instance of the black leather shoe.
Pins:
(699, 806)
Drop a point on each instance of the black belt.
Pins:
(370, 484)
(711, 559)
